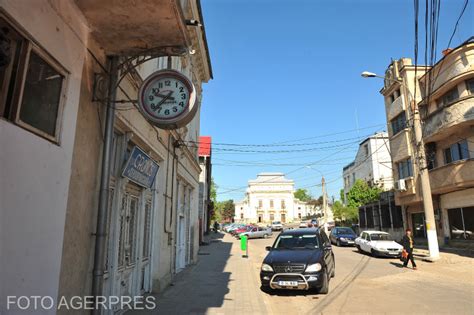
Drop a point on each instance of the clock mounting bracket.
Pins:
(127, 65)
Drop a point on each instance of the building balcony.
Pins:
(448, 119)
(456, 64)
(453, 176)
(129, 27)
(400, 145)
(395, 108)
(411, 194)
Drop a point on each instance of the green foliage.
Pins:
(224, 210)
(361, 193)
(302, 194)
(213, 193)
(345, 213)
(341, 194)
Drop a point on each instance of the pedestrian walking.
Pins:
(216, 226)
(408, 244)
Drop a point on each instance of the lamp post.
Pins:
(422, 170)
(323, 185)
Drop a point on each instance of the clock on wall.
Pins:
(167, 98)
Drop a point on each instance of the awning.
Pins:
(128, 27)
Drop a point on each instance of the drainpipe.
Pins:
(101, 228)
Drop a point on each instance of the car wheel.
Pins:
(338, 243)
(373, 253)
(265, 235)
(325, 287)
(265, 289)
(359, 249)
(333, 273)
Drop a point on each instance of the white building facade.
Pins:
(372, 163)
(270, 197)
(52, 121)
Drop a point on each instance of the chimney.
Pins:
(447, 51)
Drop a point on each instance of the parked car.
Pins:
(342, 236)
(257, 232)
(303, 224)
(235, 227)
(242, 229)
(299, 259)
(378, 243)
(461, 234)
(277, 226)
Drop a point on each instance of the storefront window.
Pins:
(461, 223)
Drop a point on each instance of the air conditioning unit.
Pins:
(400, 185)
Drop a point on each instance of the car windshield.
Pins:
(303, 241)
(276, 222)
(345, 231)
(380, 237)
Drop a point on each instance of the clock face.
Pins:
(167, 96)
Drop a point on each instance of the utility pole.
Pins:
(323, 184)
(425, 186)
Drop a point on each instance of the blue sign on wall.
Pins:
(140, 168)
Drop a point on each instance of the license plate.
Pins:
(288, 283)
(350, 242)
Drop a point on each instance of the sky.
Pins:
(287, 73)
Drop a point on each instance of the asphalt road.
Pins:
(378, 285)
(224, 282)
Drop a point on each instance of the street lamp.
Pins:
(422, 169)
(367, 74)
(323, 185)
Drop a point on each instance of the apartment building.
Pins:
(447, 114)
(444, 94)
(372, 164)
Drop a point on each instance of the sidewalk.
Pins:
(208, 287)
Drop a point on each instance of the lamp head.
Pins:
(367, 74)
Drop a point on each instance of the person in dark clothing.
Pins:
(408, 244)
(216, 226)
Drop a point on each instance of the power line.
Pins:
(466, 2)
(279, 145)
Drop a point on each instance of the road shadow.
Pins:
(396, 264)
(281, 292)
(199, 287)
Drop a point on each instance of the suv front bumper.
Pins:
(305, 281)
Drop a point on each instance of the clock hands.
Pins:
(165, 97)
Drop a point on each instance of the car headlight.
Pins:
(343, 239)
(314, 267)
(266, 267)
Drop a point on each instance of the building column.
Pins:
(390, 211)
(404, 217)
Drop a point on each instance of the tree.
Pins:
(302, 194)
(213, 193)
(361, 193)
(345, 213)
(224, 210)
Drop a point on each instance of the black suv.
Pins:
(300, 259)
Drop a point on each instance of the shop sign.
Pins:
(140, 168)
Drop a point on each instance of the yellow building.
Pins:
(445, 96)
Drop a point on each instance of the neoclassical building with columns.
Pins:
(270, 197)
